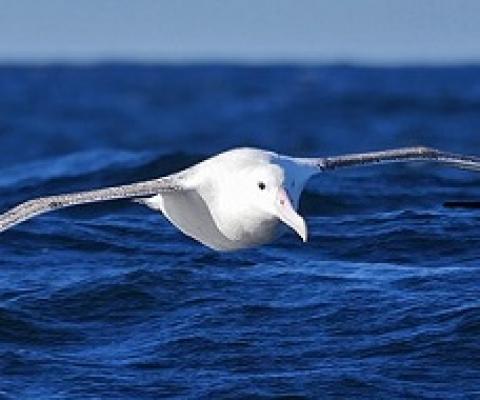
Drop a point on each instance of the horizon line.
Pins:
(236, 61)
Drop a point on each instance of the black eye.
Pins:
(261, 185)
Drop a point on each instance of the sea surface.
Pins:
(112, 302)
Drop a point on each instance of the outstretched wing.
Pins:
(31, 208)
(396, 155)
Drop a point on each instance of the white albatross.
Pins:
(236, 199)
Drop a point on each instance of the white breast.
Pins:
(188, 211)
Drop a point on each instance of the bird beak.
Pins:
(287, 214)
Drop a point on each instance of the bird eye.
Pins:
(261, 185)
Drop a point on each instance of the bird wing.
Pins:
(396, 155)
(32, 208)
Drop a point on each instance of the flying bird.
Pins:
(237, 199)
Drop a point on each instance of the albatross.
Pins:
(237, 199)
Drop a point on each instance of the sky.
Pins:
(356, 31)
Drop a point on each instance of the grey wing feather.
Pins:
(31, 208)
(397, 155)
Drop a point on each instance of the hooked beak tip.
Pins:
(305, 238)
(304, 233)
(300, 227)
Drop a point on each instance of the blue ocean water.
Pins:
(112, 302)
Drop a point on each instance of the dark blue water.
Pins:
(112, 302)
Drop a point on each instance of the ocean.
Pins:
(112, 302)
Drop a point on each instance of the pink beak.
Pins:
(287, 214)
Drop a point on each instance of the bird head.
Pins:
(276, 192)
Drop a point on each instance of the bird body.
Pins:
(218, 210)
(237, 199)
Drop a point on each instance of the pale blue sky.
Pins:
(366, 31)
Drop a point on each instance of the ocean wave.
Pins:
(19, 327)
